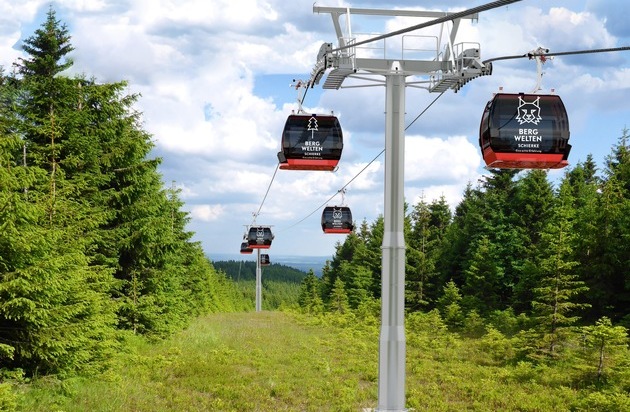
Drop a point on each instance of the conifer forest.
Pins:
(91, 243)
(94, 247)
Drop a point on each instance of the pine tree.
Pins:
(585, 190)
(533, 207)
(610, 267)
(555, 305)
(449, 305)
(605, 339)
(338, 298)
(357, 280)
(54, 297)
(483, 278)
(310, 299)
(428, 226)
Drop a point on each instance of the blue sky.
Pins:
(214, 80)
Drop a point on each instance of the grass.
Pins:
(225, 362)
(274, 361)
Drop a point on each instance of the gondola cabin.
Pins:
(264, 260)
(337, 219)
(245, 249)
(311, 142)
(259, 237)
(525, 131)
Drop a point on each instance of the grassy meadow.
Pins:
(278, 361)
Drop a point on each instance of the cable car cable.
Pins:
(304, 95)
(359, 173)
(500, 148)
(425, 109)
(485, 7)
(333, 196)
(448, 17)
(268, 188)
(530, 55)
(265, 197)
(444, 19)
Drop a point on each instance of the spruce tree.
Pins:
(428, 226)
(344, 252)
(338, 298)
(310, 299)
(449, 305)
(556, 305)
(357, 280)
(483, 278)
(55, 297)
(533, 208)
(605, 339)
(611, 261)
(585, 189)
(467, 222)
(419, 267)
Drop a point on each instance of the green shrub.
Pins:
(8, 399)
(496, 345)
(604, 402)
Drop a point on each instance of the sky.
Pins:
(214, 79)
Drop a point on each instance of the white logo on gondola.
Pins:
(528, 112)
(312, 126)
(260, 233)
(337, 214)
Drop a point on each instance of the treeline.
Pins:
(280, 283)
(518, 254)
(246, 270)
(92, 246)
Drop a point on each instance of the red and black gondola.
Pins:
(259, 237)
(264, 260)
(525, 131)
(311, 142)
(337, 219)
(245, 249)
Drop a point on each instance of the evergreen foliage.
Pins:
(606, 342)
(538, 274)
(94, 247)
(514, 243)
(310, 294)
(246, 270)
(280, 283)
(555, 304)
(90, 241)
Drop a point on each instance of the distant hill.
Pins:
(246, 270)
(302, 263)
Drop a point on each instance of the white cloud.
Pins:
(216, 118)
(84, 5)
(433, 159)
(570, 29)
(13, 18)
(207, 213)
